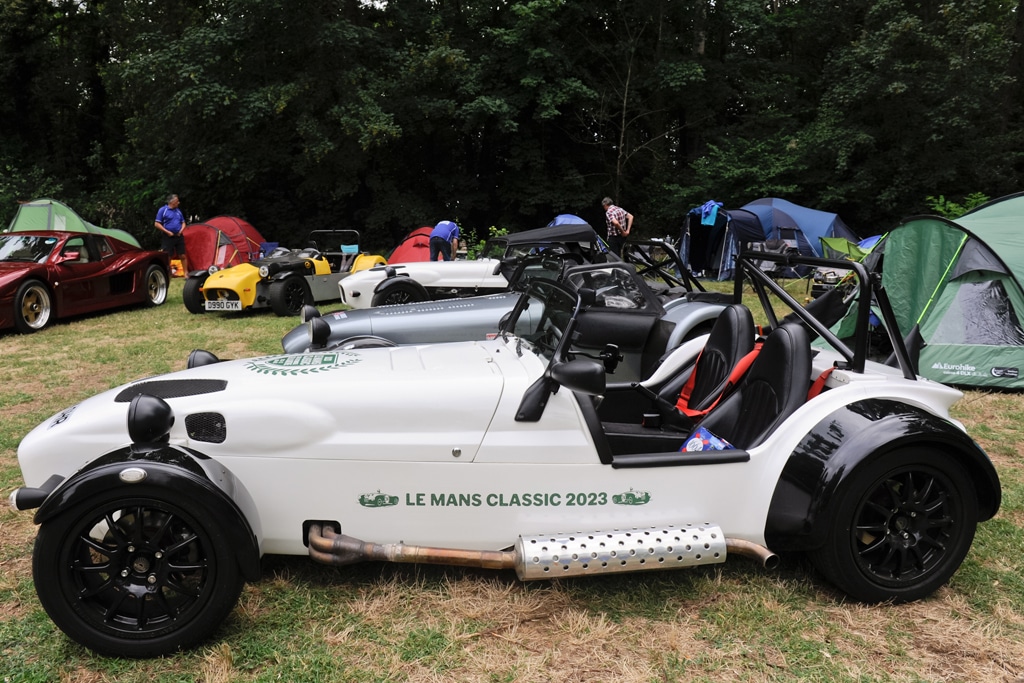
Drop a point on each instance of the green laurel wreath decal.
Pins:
(301, 363)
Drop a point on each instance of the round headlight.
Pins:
(308, 312)
(149, 419)
(319, 332)
(212, 269)
(264, 271)
(201, 357)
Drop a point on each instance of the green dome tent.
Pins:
(49, 214)
(961, 282)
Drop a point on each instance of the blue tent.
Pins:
(771, 224)
(566, 219)
(785, 220)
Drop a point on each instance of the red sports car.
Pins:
(53, 274)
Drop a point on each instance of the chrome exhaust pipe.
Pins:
(329, 547)
(560, 555)
(765, 557)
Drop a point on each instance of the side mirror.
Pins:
(69, 256)
(583, 375)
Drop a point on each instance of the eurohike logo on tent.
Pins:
(956, 369)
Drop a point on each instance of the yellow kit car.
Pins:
(285, 280)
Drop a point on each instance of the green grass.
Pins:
(374, 622)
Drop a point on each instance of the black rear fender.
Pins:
(801, 509)
(202, 485)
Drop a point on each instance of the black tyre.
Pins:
(33, 307)
(398, 293)
(902, 525)
(156, 285)
(192, 295)
(287, 297)
(134, 577)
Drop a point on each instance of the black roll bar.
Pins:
(869, 286)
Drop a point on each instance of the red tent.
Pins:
(222, 241)
(414, 247)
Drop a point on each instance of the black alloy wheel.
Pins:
(903, 525)
(398, 293)
(287, 297)
(134, 577)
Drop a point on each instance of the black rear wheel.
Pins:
(903, 524)
(134, 577)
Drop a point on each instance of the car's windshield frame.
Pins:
(550, 325)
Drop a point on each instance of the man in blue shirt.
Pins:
(170, 221)
(444, 240)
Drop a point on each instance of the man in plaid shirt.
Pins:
(619, 223)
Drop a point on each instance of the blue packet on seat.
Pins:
(703, 440)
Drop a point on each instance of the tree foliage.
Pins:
(302, 114)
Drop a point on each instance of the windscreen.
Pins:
(613, 287)
(26, 248)
(542, 317)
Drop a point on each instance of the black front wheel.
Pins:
(902, 525)
(192, 295)
(134, 577)
(398, 293)
(287, 297)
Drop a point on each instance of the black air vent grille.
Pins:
(209, 427)
(172, 388)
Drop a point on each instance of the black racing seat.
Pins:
(731, 338)
(773, 388)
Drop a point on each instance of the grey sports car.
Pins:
(643, 307)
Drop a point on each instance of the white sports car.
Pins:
(425, 281)
(157, 499)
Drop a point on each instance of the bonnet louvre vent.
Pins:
(209, 427)
(172, 388)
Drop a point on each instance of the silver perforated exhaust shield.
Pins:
(610, 552)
